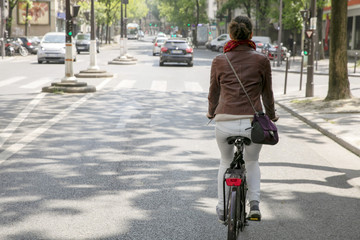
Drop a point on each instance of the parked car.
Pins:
(157, 45)
(29, 44)
(272, 51)
(82, 43)
(52, 48)
(218, 43)
(176, 50)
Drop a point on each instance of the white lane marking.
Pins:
(127, 112)
(8, 131)
(125, 84)
(158, 86)
(14, 148)
(11, 81)
(103, 83)
(193, 87)
(37, 83)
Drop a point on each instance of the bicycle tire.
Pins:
(242, 215)
(232, 218)
(23, 51)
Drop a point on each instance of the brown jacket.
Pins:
(225, 93)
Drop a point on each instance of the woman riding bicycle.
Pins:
(231, 109)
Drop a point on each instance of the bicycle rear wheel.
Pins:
(233, 216)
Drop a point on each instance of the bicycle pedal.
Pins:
(254, 219)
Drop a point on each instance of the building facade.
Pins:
(45, 16)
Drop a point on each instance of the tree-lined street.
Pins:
(137, 160)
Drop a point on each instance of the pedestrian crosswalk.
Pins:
(112, 84)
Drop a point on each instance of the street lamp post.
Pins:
(124, 58)
(310, 67)
(69, 83)
(93, 70)
(93, 62)
(69, 71)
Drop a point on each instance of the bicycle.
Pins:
(235, 179)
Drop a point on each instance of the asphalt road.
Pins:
(136, 160)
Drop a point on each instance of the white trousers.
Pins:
(225, 129)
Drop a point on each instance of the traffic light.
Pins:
(150, 24)
(306, 47)
(69, 28)
(188, 25)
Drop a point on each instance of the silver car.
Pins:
(159, 41)
(52, 48)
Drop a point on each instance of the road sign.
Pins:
(309, 33)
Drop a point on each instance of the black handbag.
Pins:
(263, 130)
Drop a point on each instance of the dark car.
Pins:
(176, 51)
(82, 43)
(29, 44)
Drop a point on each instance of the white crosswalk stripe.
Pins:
(193, 87)
(125, 84)
(158, 86)
(11, 81)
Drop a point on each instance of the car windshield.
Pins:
(54, 39)
(181, 45)
(160, 40)
(83, 37)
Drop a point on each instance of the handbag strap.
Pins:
(237, 77)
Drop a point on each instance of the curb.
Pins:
(332, 136)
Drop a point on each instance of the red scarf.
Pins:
(230, 45)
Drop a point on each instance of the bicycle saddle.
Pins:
(232, 139)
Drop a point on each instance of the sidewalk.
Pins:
(339, 120)
(321, 67)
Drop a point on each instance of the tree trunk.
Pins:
(339, 87)
(320, 47)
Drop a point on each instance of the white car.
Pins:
(218, 43)
(52, 48)
(158, 44)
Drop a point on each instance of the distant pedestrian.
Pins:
(231, 109)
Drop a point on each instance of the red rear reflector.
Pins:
(233, 181)
(28, 43)
(189, 50)
(164, 49)
(156, 44)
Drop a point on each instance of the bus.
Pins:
(132, 31)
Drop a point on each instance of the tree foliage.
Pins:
(137, 9)
(182, 12)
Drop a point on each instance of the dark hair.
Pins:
(240, 28)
